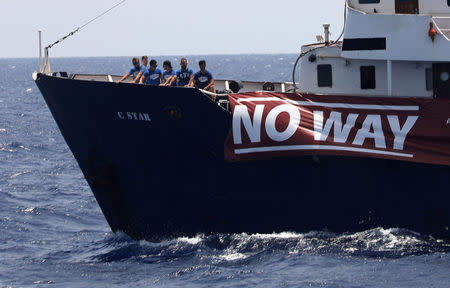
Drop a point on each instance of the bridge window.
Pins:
(448, 2)
(368, 77)
(371, 1)
(324, 75)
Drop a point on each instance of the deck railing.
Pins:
(443, 31)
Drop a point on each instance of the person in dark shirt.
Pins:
(135, 72)
(184, 75)
(203, 79)
(153, 76)
(168, 74)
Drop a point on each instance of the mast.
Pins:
(40, 50)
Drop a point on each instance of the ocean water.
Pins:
(53, 234)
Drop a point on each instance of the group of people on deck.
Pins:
(151, 74)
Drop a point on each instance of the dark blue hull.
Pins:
(167, 177)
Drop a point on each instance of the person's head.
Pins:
(167, 65)
(153, 64)
(145, 61)
(184, 63)
(202, 65)
(135, 62)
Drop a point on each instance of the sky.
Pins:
(172, 27)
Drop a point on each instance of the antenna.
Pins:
(45, 64)
(84, 25)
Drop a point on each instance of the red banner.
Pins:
(267, 125)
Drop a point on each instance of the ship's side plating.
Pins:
(153, 157)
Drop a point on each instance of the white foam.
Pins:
(19, 174)
(192, 241)
(24, 148)
(232, 256)
(283, 235)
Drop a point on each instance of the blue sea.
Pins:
(53, 234)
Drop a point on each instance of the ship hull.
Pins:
(154, 159)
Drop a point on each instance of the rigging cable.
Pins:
(84, 25)
(306, 52)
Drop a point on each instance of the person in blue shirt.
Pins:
(145, 62)
(135, 72)
(144, 67)
(153, 76)
(168, 74)
(184, 75)
(203, 79)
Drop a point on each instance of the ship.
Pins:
(361, 140)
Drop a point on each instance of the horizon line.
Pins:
(162, 55)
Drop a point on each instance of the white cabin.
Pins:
(397, 48)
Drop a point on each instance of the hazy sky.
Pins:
(172, 27)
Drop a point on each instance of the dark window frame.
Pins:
(371, 1)
(360, 44)
(368, 77)
(429, 81)
(448, 3)
(324, 75)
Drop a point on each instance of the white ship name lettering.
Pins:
(135, 116)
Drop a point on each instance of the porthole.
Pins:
(445, 76)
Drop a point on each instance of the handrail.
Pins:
(213, 94)
(437, 27)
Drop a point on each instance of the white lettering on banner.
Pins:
(120, 114)
(448, 121)
(340, 133)
(372, 127)
(377, 134)
(401, 133)
(241, 115)
(294, 122)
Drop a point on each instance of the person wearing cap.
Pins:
(203, 79)
(135, 72)
(153, 76)
(168, 74)
(184, 75)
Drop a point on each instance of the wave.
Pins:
(375, 243)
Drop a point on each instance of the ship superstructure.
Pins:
(390, 48)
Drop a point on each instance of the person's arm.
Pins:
(211, 83)
(137, 78)
(141, 81)
(124, 77)
(169, 81)
(163, 81)
(172, 79)
(191, 82)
